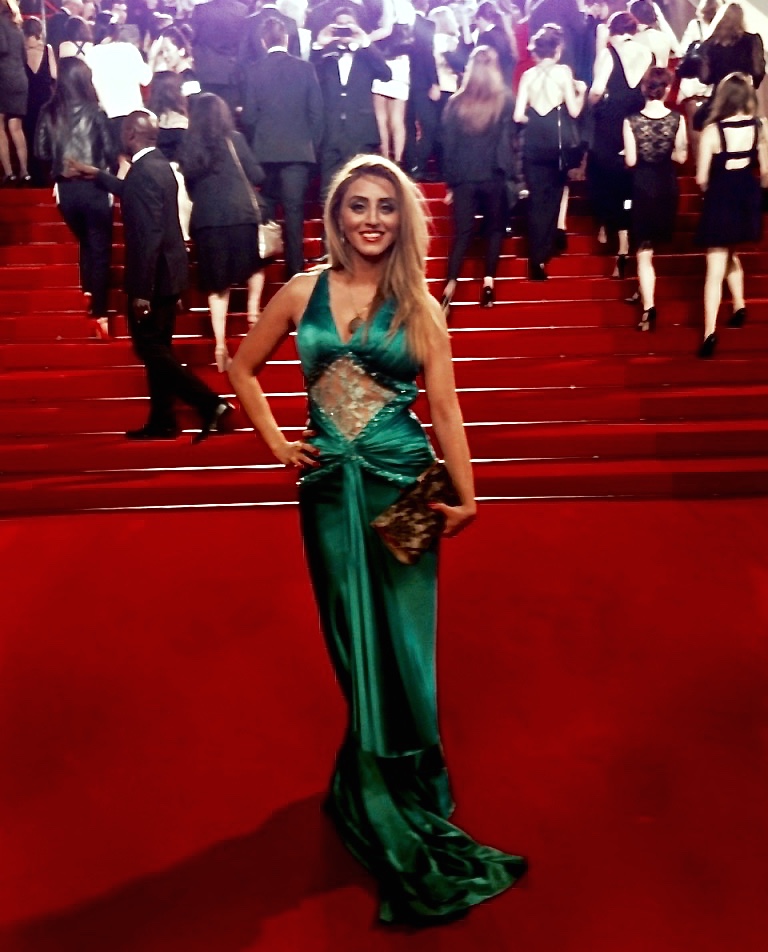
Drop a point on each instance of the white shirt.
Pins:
(118, 73)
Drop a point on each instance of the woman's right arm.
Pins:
(521, 104)
(603, 69)
(706, 151)
(630, 146)
(277, 320)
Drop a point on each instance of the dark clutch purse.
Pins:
(408, 528)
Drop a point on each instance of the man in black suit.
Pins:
(252, 47)
(346, 65)
(283, 116)
(422, 116)
(155, 276)
(57, 24)
(217, 26)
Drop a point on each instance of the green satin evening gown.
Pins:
(389, 795)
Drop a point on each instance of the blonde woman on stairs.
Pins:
(220, 172)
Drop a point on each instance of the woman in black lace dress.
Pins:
(654, 139)
(732, 151)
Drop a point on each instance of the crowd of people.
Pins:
(481, 96)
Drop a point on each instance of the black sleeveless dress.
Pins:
(654, 180)
(608, 179)
(731, 211)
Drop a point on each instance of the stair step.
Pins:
(695, 478)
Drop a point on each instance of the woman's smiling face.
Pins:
(370, 215)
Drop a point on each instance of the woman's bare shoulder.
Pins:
(298, 290)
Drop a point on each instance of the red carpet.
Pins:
(168, 721)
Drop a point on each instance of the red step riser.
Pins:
(110, 416)
(503, 372)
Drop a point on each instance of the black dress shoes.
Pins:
(536, 272)
(151, 432)
(211, 421)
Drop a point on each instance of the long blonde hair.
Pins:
(403, 276)
(479, 101)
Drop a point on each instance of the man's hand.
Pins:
(434, 93)
(140, 308)
(75, 169)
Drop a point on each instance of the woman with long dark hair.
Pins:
(13, 94)
(168, 102)
(365, 328)
(654, 139)
(73, 125)
(220, 172)
(476, 127)
(546, 89)
(732, 165)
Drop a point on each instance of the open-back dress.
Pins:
(389, 796)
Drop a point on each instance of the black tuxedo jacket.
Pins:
(350, 122)
(217, 27)
(251, 48)
(422, 55)
(155, 254)
(283, 111)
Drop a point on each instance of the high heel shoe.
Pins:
(487, 296)
(101, 328)
(221, 355)
(633, 298)
(621, 267)
(561, 240)
(648, 321)
(738, 317)
(708, 346)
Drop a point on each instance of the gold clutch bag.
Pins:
(409, 527)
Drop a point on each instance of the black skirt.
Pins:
(227, 255)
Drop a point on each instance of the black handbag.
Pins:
(693, 64)
(569, 141)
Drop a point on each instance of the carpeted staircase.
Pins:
(562, 396)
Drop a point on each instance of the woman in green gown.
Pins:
(366, 327)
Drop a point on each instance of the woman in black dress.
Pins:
(732, 165)
(169, 104)
(546, 91)
(41, 76)
(616, 94)
(730, 49)
(476, 126)
(220, 170)
(654, 139)
(13, 94)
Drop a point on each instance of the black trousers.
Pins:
(166, 378)
(286, 183)
(87, 211)
(469, 199)
(422, 120)
(545, 184)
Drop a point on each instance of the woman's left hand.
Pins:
(456, 517)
